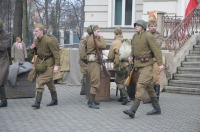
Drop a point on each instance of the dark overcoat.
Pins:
(4, 58)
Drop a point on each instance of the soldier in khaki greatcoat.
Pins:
(4, 63)
(94, 67)
(152, 25)
(47, 63)
(144, 48)
(121, 66)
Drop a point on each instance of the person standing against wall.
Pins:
(18, 52)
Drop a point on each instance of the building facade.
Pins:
(109, 14)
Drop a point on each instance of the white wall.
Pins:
(96, 12)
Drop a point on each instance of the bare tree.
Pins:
(18, 15)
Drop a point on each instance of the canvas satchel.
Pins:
(32, 74)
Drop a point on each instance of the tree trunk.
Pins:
(25, 23)
(46, 13)
(18, 15)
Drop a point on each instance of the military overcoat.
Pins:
(4, 58)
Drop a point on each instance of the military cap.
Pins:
(1, 24)
(152, 22)
(141, 23)
(118, 31)
(92, 28)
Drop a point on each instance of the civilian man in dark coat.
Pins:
(4, 63)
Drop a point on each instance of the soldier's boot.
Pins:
(157, 90)
(38, 99)
(121, 97)
(91, 102)
(83, 86)
(156, 106)
(124, 95)
(54, 100)
(3, 97)
(131, 112)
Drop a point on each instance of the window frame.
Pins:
(123, 14)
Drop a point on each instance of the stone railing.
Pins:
(189, 26)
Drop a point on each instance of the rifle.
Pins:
(129, 78)
(100, 58)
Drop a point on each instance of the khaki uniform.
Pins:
(114, 57)
(156, 73)
(94, 68)
(144, 48)
(46, 48)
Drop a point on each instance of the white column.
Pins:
(62, 37)
(71, 38)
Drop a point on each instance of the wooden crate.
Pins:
(23, 88)
(103, 94)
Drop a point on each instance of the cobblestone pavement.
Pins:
(180, 113)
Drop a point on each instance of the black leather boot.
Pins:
(3, 103)
(54, 100)
(156, 106)
(3, 97)
(124, 96)
(91, 102)
(36, 105)
(131, 112)
(157, 90)
(83, 86)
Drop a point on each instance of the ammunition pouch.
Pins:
(91, 57)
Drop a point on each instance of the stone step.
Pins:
(196, 46)
(187, 77)
(182, 90)
(192, 58)
(184, 83)
(188, 70)
(194, 52)
(190, 64)
(196, 49)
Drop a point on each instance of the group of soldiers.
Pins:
(146, 53)
(146, 56)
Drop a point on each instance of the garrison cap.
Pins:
(118, 31)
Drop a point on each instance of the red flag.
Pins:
(191, 4)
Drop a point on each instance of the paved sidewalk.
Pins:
(180, 113)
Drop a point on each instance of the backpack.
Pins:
(83, 49)
(125, 49)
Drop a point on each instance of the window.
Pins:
(123, 12)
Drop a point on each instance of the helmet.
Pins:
(118, 31)
(142, 23)
(1, 24)
(91, 28)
